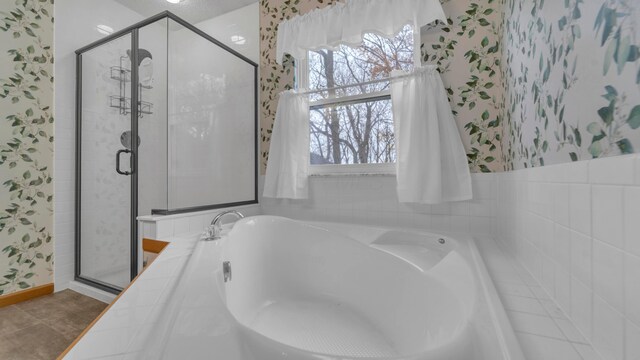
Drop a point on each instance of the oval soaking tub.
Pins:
(300, 290)
(327, 291)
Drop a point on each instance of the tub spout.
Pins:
(217, 227)
(226, 270)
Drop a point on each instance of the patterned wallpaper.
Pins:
(572, 80)
(531, 82)
(468, 53)
(275, 78)
(26, 144)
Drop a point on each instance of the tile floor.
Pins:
(42, 328)
(544, 331)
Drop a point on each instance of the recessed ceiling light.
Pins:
(104, 29)
(238, 39)
(174, 1)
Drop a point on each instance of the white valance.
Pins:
(346, 23)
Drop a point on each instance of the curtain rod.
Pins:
(390, 78)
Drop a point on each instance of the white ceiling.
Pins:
(192, 11)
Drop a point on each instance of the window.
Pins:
(351, 123)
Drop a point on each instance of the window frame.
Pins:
(302, 82)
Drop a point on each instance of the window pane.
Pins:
(375, 59)
(353, 134)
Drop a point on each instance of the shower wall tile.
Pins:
(165, 229)
(581, 307)
(181, 225)
(608, 330)
(581, 257)
(561, 204)
(632, 288)
(372, 200)
(637, 172)
(562, 248)
(632, 344)
(148, 230)
(580, 208)
(608, 273)
(197, 223)
(617, 171)
(631, 223)
(589, 266)
(608, 215)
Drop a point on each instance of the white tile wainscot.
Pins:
(566, 260)
(544, 330)
(372, 200)
(575, 228)
(157, 227)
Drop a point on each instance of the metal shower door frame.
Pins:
(133, 31)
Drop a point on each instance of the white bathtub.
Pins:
(301, 290)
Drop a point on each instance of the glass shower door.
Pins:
(105, 165)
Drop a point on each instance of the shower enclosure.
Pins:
(166, 122)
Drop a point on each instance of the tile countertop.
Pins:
(132, 328)
(543, 330)
(124, 328)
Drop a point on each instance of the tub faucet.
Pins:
(217, 227)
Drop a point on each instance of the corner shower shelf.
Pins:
(123, 102)
(123, 74)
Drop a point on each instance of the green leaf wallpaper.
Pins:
(275, 78)
(572, 80)
(531, 82)
(467, 51)
(26, 144)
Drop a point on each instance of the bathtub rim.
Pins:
(461, 331)
(509, 344)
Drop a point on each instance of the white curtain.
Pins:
(346, 23)
(431, 161)
(288, 165)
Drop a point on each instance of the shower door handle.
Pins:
(118, 153)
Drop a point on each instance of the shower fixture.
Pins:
(123, 75)
(145, 68)
(125, 139)
(142, 55)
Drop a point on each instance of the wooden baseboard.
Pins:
(153, 246)
(24, 295)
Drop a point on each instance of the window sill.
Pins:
(350, 175)
(353, 170)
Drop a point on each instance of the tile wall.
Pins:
(372, 200)
(576, 228)
(164, 227)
